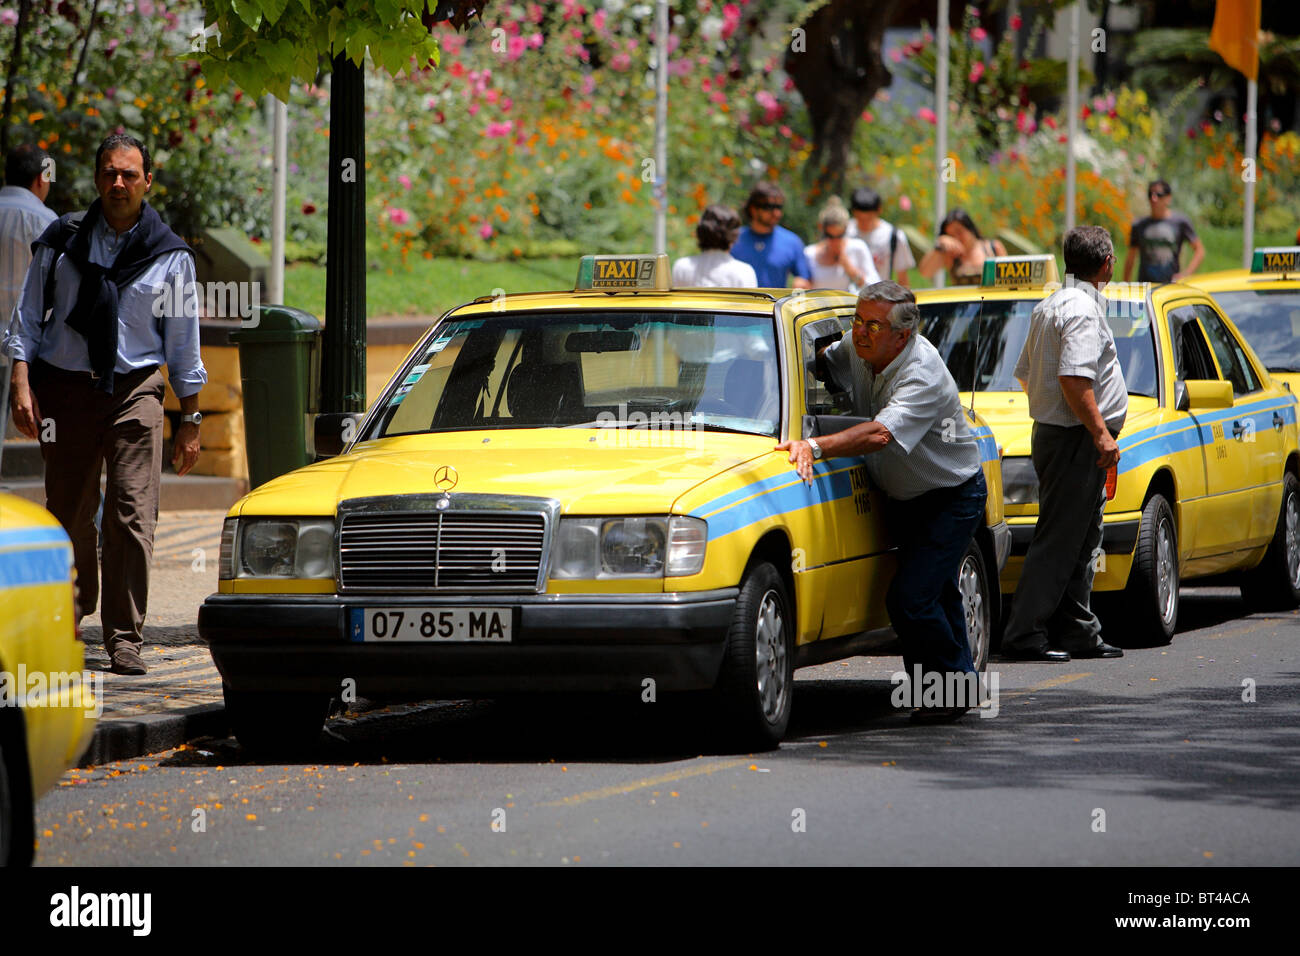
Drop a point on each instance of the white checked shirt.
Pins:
(1069, 335)
(23, 217)
(916, 398)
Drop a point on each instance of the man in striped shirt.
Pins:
(1071, 375)
(23, 217)
(923, 455)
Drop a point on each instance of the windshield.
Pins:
(1001, 330)
(1270, 321)
(594, 369)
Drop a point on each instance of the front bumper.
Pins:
(1117, 537)
(560, 642)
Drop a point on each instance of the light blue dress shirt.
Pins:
(144, 338)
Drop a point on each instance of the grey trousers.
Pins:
(1052, 604)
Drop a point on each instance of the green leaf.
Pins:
(249, 11)
(388, 11)
(273, 9)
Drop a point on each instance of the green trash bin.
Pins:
(279, 364)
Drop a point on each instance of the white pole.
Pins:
(661, 130)
(280, 162)
(1073, 70)
(1252, 133)
(941, 123)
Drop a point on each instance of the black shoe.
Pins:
(937, 715)
(1101, 650)
(1034, 654)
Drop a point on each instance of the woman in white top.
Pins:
(839, 262)
(715, 265)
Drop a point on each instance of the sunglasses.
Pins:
(769, 205)
(833, 235)
(1156, 195)
(871, 326)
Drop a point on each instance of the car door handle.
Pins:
(1238, 429)
(1278, 421)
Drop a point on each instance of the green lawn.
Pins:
(428, 287)
(1223, 246)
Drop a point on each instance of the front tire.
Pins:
(754, 689)
(273, 724)
(1274, 585)
(977, 603)
(17, 813)
(1152, 594)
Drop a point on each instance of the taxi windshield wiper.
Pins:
(1283, 368)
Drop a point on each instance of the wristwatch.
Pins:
(816, 448)
(192, 419)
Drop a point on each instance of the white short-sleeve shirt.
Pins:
(717, 268)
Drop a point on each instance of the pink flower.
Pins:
(515, 48)
(896, 55)
(598, 21)
(927, 114)
(8, 16)
(485, 230)
(730, 19)
(1016, 22)
(1025, 123)
(977, 71)
(399, 217)
(405, 180)
(499, 130)
(868, 116)
(1049, 122)
(588, 85)
(785, 131)
(979, 34)
(904, 203)
(506, 103)
(472, 109)
(620, 62)
(535, 41)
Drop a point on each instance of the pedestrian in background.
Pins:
(836, 261)
(23, 217)
(890, 251)
(960, 250)
(1156, 240)
(1071, 375)
(95, 376)
(714, 265)
(775, 252)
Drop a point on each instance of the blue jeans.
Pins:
(932, 532)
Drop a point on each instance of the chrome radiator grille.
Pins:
(480, 550)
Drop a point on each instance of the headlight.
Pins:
(1019, 481)
(634, 547)
(277, 548)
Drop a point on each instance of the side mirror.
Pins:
(334, 431)
(1204, 395)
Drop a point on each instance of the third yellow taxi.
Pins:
(1264, 303)
(1208, 482)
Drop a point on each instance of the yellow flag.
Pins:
(1235, 35)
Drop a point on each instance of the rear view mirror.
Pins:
(334, 431)
(1203, 395)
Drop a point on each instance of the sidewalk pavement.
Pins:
(180, 697)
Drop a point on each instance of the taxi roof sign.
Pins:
(1018, 272)
(1279, 259)
(628, 273)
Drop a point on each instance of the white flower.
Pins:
(642, 10)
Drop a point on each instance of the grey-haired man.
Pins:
(922, 454)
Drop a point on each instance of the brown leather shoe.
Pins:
(127, 660)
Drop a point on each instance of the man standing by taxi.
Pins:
(87, 381)
(774, 251)
(922, 454)
(1078, 400)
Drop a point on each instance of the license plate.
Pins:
(404, 625)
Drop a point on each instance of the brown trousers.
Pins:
(82, 430)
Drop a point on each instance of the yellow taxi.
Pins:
(575, 491)
(1264, 303)
(48, 703)
(1207, 480)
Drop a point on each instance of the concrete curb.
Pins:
(126, 738)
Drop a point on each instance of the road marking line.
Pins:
(614, 791)
(1046, 684)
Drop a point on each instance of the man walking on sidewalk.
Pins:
(87, 382)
